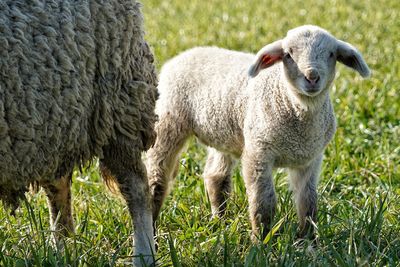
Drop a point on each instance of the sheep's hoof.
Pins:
(145, 261)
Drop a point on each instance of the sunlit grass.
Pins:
(359, 191)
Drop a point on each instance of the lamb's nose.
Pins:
(312, 76)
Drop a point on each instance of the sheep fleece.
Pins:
(73, 76)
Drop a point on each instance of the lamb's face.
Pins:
(309, 56)
(309, 59)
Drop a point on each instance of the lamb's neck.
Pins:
(301, 105)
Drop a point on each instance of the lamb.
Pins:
(77, 81)
(270, 110)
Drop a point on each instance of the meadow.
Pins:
(359, 189)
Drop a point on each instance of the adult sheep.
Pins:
(271, 109)
(77, 81)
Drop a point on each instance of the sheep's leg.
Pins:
(217, 178)
(134, 188)
(59, 200)
(261, 193)
(126, 168)
(303, 182)
(162, 158)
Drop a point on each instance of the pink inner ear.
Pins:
(268, 60)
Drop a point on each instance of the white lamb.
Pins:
(278, 117)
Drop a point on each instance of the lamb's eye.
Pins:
(331, 54)
(288, 56)
(289, 53)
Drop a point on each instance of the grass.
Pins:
(359, 191)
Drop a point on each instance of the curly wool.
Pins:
(73, 76)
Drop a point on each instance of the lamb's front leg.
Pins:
(260, 190)
(303, 182)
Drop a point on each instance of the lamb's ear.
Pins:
(348, 55)
(266, 57)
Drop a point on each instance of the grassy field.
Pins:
(359, 203)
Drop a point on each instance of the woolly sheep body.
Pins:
(267, 121)
(77, 81)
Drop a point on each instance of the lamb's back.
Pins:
(207, 86)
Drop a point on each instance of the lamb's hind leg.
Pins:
(162, 159)
(217, 178)
(59, 200)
